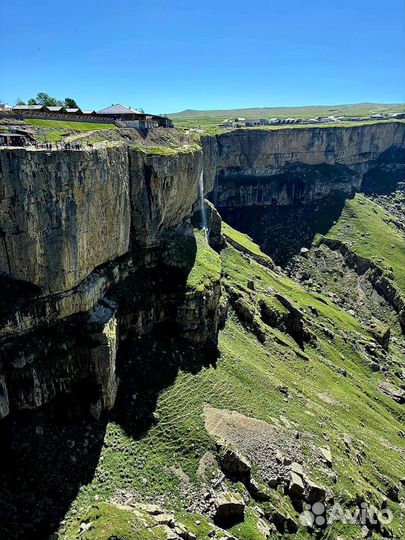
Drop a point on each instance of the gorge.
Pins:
(111, 292)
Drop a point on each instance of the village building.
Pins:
(254, 122)
(121, 115)
(132, 118)
(226, 123)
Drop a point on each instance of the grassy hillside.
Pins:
(211, 118)
(370, 231)
(357, 109)
(53, 130)
(310, 384)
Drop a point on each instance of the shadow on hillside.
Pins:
(146, 367)
(281, 231)
(50, 452)
(47, 455)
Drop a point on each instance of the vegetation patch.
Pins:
(369, 230)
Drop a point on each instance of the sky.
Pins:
(170, 55)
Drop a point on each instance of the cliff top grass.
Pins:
(369, 230)
(210, 125)
(54, 130)
(166, 150)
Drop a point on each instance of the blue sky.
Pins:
(167, 56)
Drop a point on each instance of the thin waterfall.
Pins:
(204, 220)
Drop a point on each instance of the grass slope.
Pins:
(369, 231)
(53, 130)
(322, 404)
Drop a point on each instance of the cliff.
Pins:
(80, 232)
(264, 167)
(284, 186)
(112, 296)
(62, 214)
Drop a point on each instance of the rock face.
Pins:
(260, 153)
(164, 189)
(62, 214)
(80, 230)
(269, 182)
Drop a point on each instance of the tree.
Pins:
(32, 101)
(19, 101)
(44, 99)
(70, 103)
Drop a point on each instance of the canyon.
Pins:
(102, 253)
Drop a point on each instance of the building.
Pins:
(226, 123)
(134, 119)
(121, 115)
(254, 122)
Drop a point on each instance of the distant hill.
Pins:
(354, 109)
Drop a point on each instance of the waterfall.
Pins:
(204, 220)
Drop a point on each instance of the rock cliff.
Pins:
(62, 214)
(261, 175)
(80, 231)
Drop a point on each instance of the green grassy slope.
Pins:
(324, 405)
(369, 231)
(53, 130)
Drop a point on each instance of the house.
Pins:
(121, 112)
(398, 116)
(132, 118)
(75, 110)
(29, 108)
(254, 122)
(226, 123)
(56, 109)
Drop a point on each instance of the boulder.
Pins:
(295, 486)
(397, 394)
(297, 468)
(281, 519)
(229, 509)
(234, 464)
(326, 456)
(258, 490)
(315, 493)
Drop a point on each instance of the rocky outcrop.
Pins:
(164, 189)
(244, 154)
(62, 214)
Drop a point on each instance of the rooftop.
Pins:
(118, 109)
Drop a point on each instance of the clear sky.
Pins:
(170, 55)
